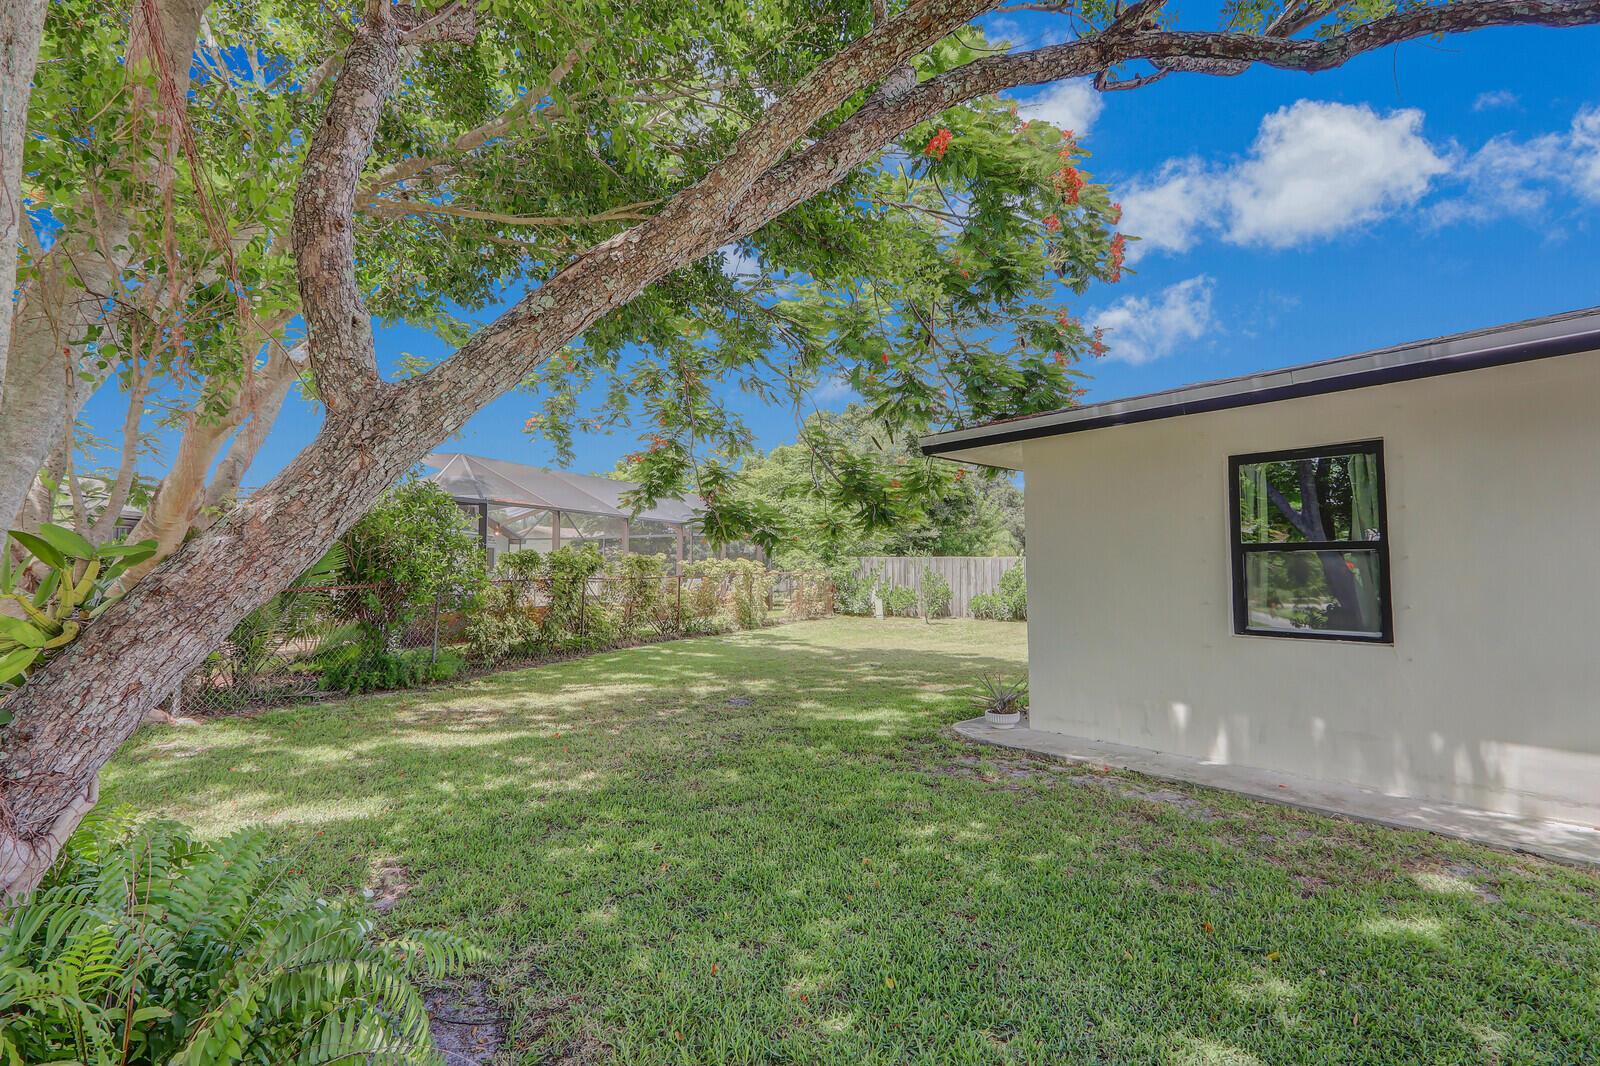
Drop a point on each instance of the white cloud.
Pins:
(1139, 329)
(1167, 212)
(1504, 177)
(832, 390)
(1509, 176)
(1317, 169)
(1068, 105)
(1314, 170)
(1496, 98)
(1584, 138)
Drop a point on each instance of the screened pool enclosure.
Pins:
(521, 507)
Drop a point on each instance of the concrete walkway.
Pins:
(1565, 841)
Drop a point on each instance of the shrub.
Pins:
(935, 594)
(852, 592)
(634, 593)
(352, 661)
(811, 595)
(503, 621)
(151, 946)
(575, 615)
(412, 546)
(1009, 603)
(986, 605)
(735, 588)
(1014, 594)
(899, 601)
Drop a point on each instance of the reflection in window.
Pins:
(1310, 554)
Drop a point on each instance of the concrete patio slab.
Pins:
(1563, 841)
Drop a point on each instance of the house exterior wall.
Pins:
(1490, 693)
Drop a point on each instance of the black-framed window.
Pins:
(1311, 543)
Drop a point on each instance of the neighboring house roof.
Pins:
(1536, 338)
(473, 477)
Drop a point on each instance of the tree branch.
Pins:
(339, 328)
(398, 208)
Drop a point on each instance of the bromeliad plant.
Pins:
(79, 582)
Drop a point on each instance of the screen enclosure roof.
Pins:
(498, 481)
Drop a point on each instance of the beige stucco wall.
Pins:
(1490, 695)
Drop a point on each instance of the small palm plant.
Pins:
(1002, 702)
(146, 946)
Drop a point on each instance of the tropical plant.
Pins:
(78, 582)
(1002, 697)
(146, 945)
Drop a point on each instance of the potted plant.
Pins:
(1003, 702)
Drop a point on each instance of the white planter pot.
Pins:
(1002, 721)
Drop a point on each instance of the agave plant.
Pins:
(1002, 697)
(146, 946)
(79, 582)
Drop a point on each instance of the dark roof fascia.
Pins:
(1116, 412)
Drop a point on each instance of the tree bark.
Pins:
(72, 716)
(52, 316)
(21, 29)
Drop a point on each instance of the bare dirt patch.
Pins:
(390, 882)
(468, 1028)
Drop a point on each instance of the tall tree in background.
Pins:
(461, 104)
(852, 487)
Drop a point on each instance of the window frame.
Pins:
(1240, 548)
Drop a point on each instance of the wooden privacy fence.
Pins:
(968, 575)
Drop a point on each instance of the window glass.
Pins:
(1334, 593)
(1311, 498)
(1310, 556)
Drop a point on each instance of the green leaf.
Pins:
(46, 588)
(13, 663)
(144, 549)
(41, 549)
(66, 541)
(21, 632)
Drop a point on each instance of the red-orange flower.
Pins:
(1119, 251)
(1052, 223)
(1069, 183)
(939, 143)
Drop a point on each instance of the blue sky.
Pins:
(1432, 188)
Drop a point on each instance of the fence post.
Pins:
(434, 658)
(583, 608)
(677, 582)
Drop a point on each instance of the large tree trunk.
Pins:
(21, 28)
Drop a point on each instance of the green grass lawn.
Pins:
(767, 848)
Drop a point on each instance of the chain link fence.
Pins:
(298, 646)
